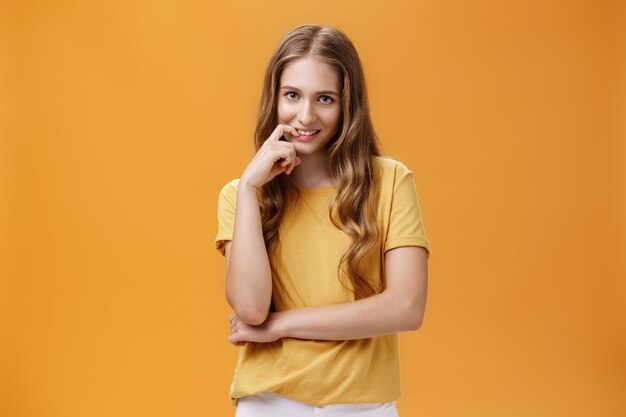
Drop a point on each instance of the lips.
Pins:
(305, 138)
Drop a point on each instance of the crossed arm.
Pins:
(400, 307)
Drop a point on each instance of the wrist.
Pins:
(279, 324)
(244, 184)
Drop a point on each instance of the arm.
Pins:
(248, 273)
(400, 307)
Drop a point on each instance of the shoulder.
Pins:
(395, 177)
(231, 185)
(391, 167)
(230, 189)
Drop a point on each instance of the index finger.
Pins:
(280, 129)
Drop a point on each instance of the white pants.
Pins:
(268, 404)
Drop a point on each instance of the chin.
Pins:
(305, 148)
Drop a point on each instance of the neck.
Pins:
(313, 171)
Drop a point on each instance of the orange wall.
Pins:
(122, 120)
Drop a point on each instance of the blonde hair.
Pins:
(350, 153)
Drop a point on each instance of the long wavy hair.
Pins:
(349, 154)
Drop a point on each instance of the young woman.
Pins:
(326, 252)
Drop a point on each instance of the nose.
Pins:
(306, 113)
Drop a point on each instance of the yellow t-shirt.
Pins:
(322, 372)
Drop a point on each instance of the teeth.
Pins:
(307, 132)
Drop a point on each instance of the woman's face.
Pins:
(309, 99)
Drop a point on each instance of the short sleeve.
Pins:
(406, 227)
(226, 215)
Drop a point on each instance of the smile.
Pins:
(307, 132)
(306, 135)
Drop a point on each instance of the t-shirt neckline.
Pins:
(312, 190)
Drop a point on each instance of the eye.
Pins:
(330, 99)
(290, 92)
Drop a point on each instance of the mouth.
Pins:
(306, 134)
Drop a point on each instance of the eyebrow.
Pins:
(287, 87)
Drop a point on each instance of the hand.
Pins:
(273, 158)
(240, 332)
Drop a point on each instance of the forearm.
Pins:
(248, 278)
(378, 315)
